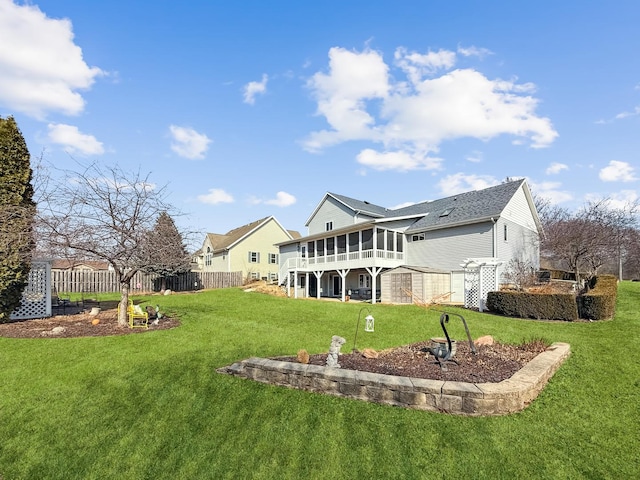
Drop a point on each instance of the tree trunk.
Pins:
(123, 321)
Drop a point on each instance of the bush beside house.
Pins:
(598, 303)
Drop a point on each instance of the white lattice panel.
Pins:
(36, 299)
(471, 288)
(488, 283)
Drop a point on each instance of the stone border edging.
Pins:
(474, 399)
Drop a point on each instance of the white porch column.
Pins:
(295, 283)
(374, 271)
(343, 276)
(306, 285)
(318, 275)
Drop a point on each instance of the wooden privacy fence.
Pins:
(87, 281)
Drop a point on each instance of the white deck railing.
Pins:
(340, 261)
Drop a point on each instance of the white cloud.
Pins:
(283, 199)
(618, 171)
(397, 160)
(555, 168)
(623, 199)
(215, 196)
(360, 102)
(73, 141)
(636, 111)
(459, 182)
(41, 68)
(417, 65)
(252, 89)
(353, 78)
(550, 191)
(188, 143)
(473, 51)
(474, 157)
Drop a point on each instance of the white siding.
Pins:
(518, 211)
(445, 249)
(521, 243)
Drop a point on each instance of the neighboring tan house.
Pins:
(250, 249)
(350, 243)
(68, 265)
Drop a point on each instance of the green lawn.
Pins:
(151, 406)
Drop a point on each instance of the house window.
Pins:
(505, 233)
(328, 226)
(255, 275)
(417, 237)
(207, 260)
(254, 257)
(364, 281)
(273, 258)
(273, 277)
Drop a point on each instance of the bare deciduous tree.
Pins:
(589, 238)
(102, 213)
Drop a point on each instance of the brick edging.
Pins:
(475, 399)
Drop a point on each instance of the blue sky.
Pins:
(255, 108)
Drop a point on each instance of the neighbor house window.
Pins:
(273, 258)
(254, 257)
(417, 237)
(255, 275)
(328, 226)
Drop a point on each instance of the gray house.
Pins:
(351, 243)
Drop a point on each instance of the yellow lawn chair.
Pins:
(137, 316)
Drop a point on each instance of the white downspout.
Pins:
(494, 231)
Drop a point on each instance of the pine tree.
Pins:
(166, 253)
(17, 213)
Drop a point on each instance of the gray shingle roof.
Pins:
(361, 206)
(462, 208)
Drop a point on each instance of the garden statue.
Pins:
(334, 351)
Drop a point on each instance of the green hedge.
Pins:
(533, 305)
(599, 302)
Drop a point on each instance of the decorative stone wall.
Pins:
(475, 399)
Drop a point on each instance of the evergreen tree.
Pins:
(166, 253)
(17, 212)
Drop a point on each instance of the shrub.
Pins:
(17, 211)
(599, 302)
(560, 306)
